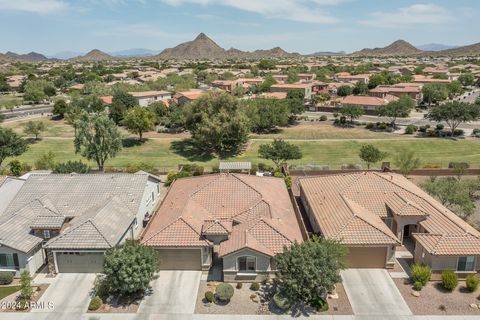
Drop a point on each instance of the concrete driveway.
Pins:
(372, 292)
(173, 292)
(68, 293)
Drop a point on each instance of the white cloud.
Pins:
(295, 10)
(414, 15)
(34, 6)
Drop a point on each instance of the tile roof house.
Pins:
(373, 213)
(69, 220)
(242, 220)
(368, 103)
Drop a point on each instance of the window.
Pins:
(9, 261)
(153, 197)
(247, 264)
(46, 234)
(466, 263)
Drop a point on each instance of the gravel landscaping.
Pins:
(434, 300)
(246, 301)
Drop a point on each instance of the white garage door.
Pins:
(80, 262)
(180, 259)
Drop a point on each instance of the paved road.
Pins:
(174, 292)
(372, 292)
(67, 293)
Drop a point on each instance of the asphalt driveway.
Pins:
(372, 292)
(173, 292)
(68, 293)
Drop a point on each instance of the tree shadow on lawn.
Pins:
(132, 142)
(187, 149)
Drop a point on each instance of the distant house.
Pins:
(107, 100)
(366, 102)
(226, 85)
(414, 92)
(305, 87)
(347, 77)
(189, 96)
(274, 95)
(280, 78)
(15, 81)
(146, 98)
(69, 220)
(235, 222)
(424, 79)
(306, 76)
(375, 213)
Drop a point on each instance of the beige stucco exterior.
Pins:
(264, 267)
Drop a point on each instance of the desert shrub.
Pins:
(472, 282)
(369, 126)
(224, 292)
(476, 132)
(255, 286)
(382, 126)
(323, 118)
(411, 129)
(95, 304)
(6, 277)
(71, 166)
(209, 296)
(440, 126)
(320, 304)
(172, 176)
(449, 280)
(421, 273)
(239, 285)
(288, 182)
(417, 286)
(281, 301)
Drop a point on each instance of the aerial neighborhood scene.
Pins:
(273, 159)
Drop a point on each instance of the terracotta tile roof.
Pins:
(331, 198)
(366, 100)
(291, 86)
(223, 203)
(454, 245)
(107, 99)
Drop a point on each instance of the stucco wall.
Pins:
(30, 262)
(147, 205)
(230, 261)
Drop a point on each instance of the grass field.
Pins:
(168, 154)
(6, 291)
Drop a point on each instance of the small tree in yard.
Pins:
(307, 271)
(138, 120)
(406, 162)
(279, 151)
(26, 289)
(97, 138)
(129, 268)
(34, 128)
(370, 154)
(454, 113)
(351, 111)
(11, 144)
(397, 109)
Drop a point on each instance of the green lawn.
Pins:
(6, 291)
(169, 153)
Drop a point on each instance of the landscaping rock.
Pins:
(415, 293)
(473, 306)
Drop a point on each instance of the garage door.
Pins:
(180, 259)
(80, 262)
(367, 257)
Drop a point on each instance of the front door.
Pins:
(406, 232)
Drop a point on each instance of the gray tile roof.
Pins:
(9, 186)
(101, 205)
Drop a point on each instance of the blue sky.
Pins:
(305, 26)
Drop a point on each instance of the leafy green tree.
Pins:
(434, 92)
(406, 161)
(217, 122)
(34, 128)
(121, 102)
(397, 109)
(26, 289)
(266, 114)
(4, 86)
(295, 100)
(130, 268)
(344, 91)
(11, 144)
(454, 113)
(71, 167)
(266, 64)
(467, 79)
(60, 107)
(38, 89)
(454, 88)
(267, 83)
(309, 270)
(453, 194)
(160, 110)
(46, 161)
(370, 154)
(15, 167)
(351, 111)
(138, 120)
(97, 138)
(279, 151)
(360, 88)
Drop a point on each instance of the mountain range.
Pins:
(435, 47)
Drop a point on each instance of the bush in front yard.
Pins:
(281, 301)
(255, 286)
(417, 286)
(209, 296)
(449, 280)
(95, 304)
(421, 273)
(6, 277)
(224, 292)
(472, 282)
(239, 285)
